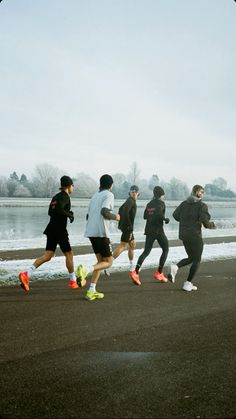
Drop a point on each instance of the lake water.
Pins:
(23, 220)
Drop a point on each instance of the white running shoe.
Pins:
(173, 271)
(188, 286)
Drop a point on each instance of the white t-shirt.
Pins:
(97, 225)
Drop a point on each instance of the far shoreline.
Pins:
(21, 254)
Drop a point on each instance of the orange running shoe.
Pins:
(135, 277)
(160, 276)
(73, 284)
(24, 279)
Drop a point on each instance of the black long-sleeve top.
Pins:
(59, 211)
(154, 214)
(127, 213)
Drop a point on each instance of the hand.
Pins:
(167, 220)
(117, 217)
(71, 216)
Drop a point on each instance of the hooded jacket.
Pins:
(191, 215)
(154, 214)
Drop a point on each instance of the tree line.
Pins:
(45, 182)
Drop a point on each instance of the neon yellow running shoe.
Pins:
(93, 295)
(81, 274)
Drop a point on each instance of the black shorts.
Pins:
(101, 245)
(126, 236)
(62, 241)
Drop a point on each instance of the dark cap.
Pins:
(158, 192)
(66, 181)
(106, 181)
(134, 188)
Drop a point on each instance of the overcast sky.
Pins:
(95, 85)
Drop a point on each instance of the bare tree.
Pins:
(120, 188)
(134, 173)
(221, 183)
(3, 186)
(46, 180)
(85, 186)
(176, 189)
(154, 181)
(11, 186)
(22, 191)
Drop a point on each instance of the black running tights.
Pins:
(194, 249)
(163, 243)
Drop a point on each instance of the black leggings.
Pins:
(194, 248)
(163, 243)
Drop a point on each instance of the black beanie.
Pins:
(158, 192)
(66, 181)
(106, 182)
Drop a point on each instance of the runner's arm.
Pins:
(108, 214)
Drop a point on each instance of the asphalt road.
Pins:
(153, 351)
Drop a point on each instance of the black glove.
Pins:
(167, 220)
(71, 216)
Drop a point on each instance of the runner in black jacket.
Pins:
(191, 215)
(127, 213)
(57, 234)
(154, 215)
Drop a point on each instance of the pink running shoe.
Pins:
(135, 278)
(24, 279)
(160, 276)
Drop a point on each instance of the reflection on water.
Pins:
(22, 221)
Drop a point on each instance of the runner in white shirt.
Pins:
(97, 230)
